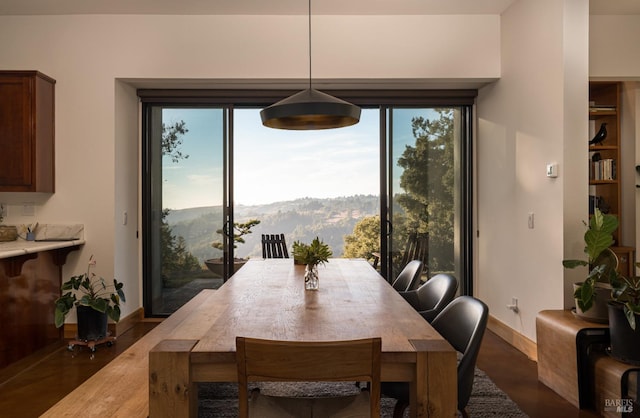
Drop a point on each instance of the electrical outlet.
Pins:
(3, 210)
(514, 305)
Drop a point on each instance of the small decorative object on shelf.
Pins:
(600, 136)
(311, 255)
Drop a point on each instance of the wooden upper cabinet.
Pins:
(27, 132)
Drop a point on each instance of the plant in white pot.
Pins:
(592, 294)
(240, 229)
(95, 301)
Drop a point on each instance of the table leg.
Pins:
(172, 394)
(419, 397)
(435, 390)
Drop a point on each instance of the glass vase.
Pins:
(311, 277)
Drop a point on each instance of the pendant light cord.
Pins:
(309, 44)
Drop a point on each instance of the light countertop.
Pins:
(22, 247)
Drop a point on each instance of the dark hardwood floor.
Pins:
(33, 385)
(516, 375)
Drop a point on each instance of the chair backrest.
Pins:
(298, 361)
(462, 323)
(274, 246)
(435, 294)
(409, 277)
(417, 248)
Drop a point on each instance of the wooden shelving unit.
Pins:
(604, 164)
(604, 174)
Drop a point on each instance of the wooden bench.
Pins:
(616, 387)
(572, 362)
(121, 388)
(564, 344)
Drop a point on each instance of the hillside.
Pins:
(300, 219)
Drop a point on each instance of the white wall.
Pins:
(126, 245)
(97, 115)
(534, 115)
(614, 47)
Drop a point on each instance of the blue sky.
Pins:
(275, 165)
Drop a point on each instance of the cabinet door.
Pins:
(16, 132)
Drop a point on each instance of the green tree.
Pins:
(240, 229)
(172, 139)
(364, 240)
(427, 181)
(175, 258)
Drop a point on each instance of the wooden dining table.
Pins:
(266, 299)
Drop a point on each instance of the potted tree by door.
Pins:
(240, 229)
(592, 294)
(95, 301)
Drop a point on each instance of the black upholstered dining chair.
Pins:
(409, 277)
(274, 246)
(462, 323)
(433, 295)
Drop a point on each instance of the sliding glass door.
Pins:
(427, 187)
(184, 204)
(400, 177)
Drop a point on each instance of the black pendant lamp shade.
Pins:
(310, 109)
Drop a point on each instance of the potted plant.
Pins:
(240, 229)
(592, 294)
(624, 318)
(311, 255)
(95, 301)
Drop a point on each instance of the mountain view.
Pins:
(300, 220)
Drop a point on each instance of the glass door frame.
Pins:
(382, 99)
(150, 194)
(466, 195)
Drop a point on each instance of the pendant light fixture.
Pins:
(310, 109)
